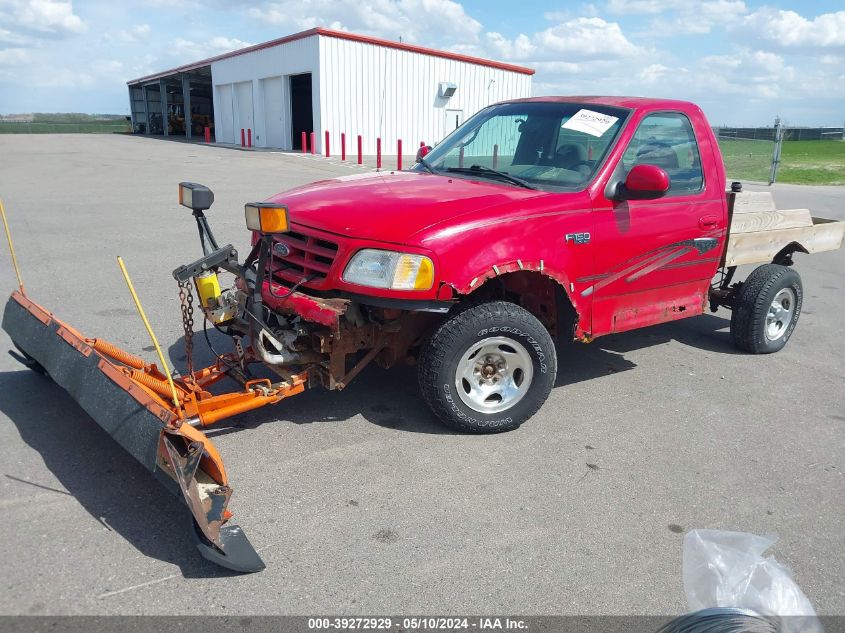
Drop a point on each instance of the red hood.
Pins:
(392, 207)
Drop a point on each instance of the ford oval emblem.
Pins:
(281, 250)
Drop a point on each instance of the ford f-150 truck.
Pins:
(537, 221)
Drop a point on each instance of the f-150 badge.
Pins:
(578, 238)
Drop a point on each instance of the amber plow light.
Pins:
(266, 217)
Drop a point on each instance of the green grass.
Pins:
(802, 162)
(66, 123)
(813, 163)
(747, 160)
(94, 127)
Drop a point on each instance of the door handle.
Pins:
(708, 221)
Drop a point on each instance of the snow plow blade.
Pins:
(127, 397)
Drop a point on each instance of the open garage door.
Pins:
(274, 112)
(301, 110)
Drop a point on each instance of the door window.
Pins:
(668, 141)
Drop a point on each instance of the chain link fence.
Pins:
(754, 153)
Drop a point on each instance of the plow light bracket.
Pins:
(266, 217)
(195, 196)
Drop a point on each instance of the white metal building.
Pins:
(323, 80)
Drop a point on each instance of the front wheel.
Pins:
(766, 309)
(488, 368)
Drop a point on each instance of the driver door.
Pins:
(654, 258)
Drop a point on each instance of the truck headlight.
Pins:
(391, 270)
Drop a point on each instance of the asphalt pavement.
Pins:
(359, 501)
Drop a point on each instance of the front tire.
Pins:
(766, 309)
(488, 368)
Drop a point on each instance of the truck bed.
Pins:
(758, 230)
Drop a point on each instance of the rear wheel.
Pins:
(488, 368)
(766, 309)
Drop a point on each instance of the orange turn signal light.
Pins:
(266, 217)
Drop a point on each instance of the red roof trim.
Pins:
(343, 35)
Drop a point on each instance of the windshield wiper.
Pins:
(422, 161)
(503, 175)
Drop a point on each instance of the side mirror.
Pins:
(644, 182)
(422, 151)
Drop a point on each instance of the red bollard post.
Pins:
(343, 146)
(378, 153)
(461, 158)
(304, 143)
(249, 137)
(328, 151)
(208, 135)
(495, 156)
(360, 154)
(243, 138)
(313, 143)
(399, 155)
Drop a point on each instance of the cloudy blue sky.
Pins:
(744, 61)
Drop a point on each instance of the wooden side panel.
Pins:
(770, 220)
(761, 246)
(752, 202)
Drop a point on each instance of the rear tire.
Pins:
(488, 368)
(766, 309)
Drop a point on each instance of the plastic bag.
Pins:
(727, 569)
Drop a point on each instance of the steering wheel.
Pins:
(583, 167)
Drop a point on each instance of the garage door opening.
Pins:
(301, 112)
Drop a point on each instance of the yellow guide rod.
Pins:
(149, 331)
(11, 248)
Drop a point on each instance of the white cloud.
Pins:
(188, 50)
(790, 29)
(52, 17)
(652, 73)
(9, 38)
(622, 7)
(13, 56)
(138, 33)
(698, 17)
(519, 48)
(571, 41)
(428, 22)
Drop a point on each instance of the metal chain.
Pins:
(186, 298)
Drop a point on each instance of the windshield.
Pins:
(546, 145)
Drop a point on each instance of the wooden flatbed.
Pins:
(759, 231)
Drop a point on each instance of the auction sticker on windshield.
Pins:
(589, 122)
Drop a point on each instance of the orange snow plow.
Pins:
(156, 417)
(131, 400)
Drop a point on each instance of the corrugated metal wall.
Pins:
(382, 92)
(357, 88)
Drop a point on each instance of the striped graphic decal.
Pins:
(657, 259)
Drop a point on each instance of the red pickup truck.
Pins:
(542, 219)
(537, 221)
